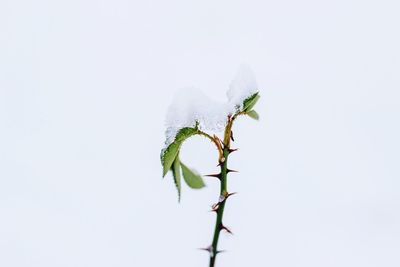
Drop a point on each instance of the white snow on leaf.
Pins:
(192, 107)
(242, 86)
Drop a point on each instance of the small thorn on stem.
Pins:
(231, 150)
(208, 249)
(221, 199)
(233, 139)
(214, 209)
(226, 194)
(215, 206)
(231, 194)
(229, 170)
(223, 227)
(217, 175)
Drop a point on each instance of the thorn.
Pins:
(214, 175)
(220, 251)
(221, 199)
(215, 206)
(208, 249)
(229, 170)
(230, 150)
(214, 209)
(233, 139)
(229, 194)
(226, 229)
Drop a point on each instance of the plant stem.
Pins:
(216, 142)
(223, 194)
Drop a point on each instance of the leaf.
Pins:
(253, 114)
(176, 173)
(169, 154)
(191, 178)
(249, 102)
(185, 133)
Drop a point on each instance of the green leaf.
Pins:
(249, 102)
(191, 178)
(185, 133)
(176, 173)
(253, 114)
(169, 154)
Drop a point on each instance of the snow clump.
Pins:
(192, 107)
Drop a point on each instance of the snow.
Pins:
(191, 106)
(242, 86)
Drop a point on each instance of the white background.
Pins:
(84, 88)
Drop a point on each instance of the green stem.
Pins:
(223, 194)
(220, 211)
